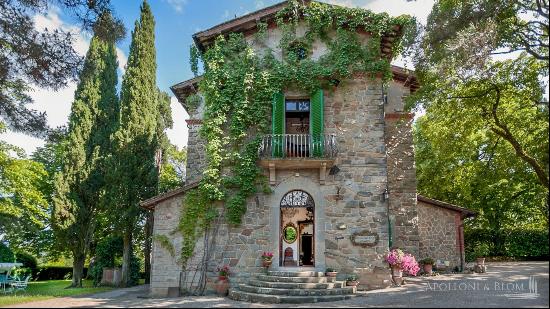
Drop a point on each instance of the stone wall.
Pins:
(401, 171)
(165, 271)
(438, 230)
(196, 156)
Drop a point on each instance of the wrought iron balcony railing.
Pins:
(298, 146)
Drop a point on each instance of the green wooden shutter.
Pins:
(316, 123)
(278, 125)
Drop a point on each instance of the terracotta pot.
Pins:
(220, 277)
(428, 268)
(480, 261)
(331, 273)
(397, 275)
(222, 286)
(352, 283)
(267, 263)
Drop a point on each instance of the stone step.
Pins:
(297, 292)
(283, 299)
(296, 279)
(293, 285)
(284, 273)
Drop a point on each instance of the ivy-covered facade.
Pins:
(299, 144)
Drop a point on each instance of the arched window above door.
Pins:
(297, 198)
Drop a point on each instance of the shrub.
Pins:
(527, 243)
(28, 261)
(6, 255)
(513, 243)
(56, 273)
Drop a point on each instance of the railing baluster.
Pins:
(298, 146)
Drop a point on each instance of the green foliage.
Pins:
(192, 102)
(165, 243)
(197, 215)
(238, 86)
(172, 174)
(6, 255)
(194, 57)
(23, 205)
(106, 251)
(522, 243)
(483, 142)
(80, 184)
(28, 260)
(55, 273)
(140, 139)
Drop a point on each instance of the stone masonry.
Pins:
(375, 154)
(439, 234)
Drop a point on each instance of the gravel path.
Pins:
(504, 285)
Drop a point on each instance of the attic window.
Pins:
(299, 50)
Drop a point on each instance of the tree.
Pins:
(172, 174)
(23, 206)
(80, 185)
(134, 164)
(45, 59)
(455, 64)
(483, 142)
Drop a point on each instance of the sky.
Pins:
(176, 22)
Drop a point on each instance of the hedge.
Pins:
(55, 273)
(525, 244)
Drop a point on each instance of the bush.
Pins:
(28, 260)
(524, 244)
(6, 255)
(56, 273)
(527, 243)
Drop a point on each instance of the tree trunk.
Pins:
(78, 270)
(148, 246)
(126, 258)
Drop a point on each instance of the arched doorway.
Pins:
(297, 230)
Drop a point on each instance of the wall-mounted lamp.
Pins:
(334, 170)
(342, 226)
(385, 195)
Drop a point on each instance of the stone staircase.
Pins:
(292, 288)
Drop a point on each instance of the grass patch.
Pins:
(42, 290)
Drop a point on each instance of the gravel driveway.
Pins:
(514, 284)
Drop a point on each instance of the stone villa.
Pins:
(343, 209)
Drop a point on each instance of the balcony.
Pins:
(298, 151)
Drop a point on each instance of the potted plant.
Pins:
(427, 265)
(267, 259)
(330, 272)
(481, 251)
(351, 280)
(222, 284)
(399, 263)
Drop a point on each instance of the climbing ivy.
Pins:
(238, 85)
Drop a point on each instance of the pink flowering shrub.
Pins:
(407, 262)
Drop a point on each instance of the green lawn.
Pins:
(42, 290)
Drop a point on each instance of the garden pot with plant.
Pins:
(427, 265)
(222, 284)
(330, 272)
(267, 259)
(401, 263)
(352, 280)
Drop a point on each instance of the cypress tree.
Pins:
(79, 186)
(133, 169)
